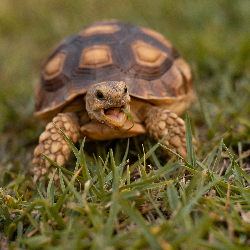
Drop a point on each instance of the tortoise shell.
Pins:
(112, 50)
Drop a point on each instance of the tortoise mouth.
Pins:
(115, 117)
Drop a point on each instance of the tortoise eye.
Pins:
(125, 90)
(99, 95)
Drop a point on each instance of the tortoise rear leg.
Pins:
(160, 121)
(53, 144)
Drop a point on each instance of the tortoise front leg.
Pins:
(53, 144)
(160, 121)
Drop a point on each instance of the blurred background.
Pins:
(213, 37)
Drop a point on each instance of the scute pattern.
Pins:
(173, 82)
(54, 66)
(96, 56)
(147, 55)
(117, 51)
(100, 29)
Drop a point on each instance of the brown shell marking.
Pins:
(95, 56)
(148, 55)
(159, 89)
(173, 81)
(54, 67)
(141, 88)
(168, 85)
(99, 29)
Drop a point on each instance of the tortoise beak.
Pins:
(115, 117)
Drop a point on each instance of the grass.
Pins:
(161, 209)
(129, 196)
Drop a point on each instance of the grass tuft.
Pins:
(114, 210)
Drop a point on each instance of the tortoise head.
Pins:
(103, 103)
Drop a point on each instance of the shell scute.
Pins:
(112, 50)
(100, 29)
(96, 56)
(146, 54)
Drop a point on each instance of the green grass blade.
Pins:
(82, 162)
(105, 166)
(142, 169)
(189, 167)
(155, 206)
(74, 149)
(192, 202)
(173, 198)
(209, 158)
(217, 162)
(148, 154)
(49, 188)
(126, 152)
(128, 175)
(85, 171)
(115, 194)
(57, 166)
(192, 185)
(131, 118)
(72, 189)
(190, 145)
(110, 174)
(237, 169)
(61, 180)
(100, 180)
(20, 229)
(155, 159)
(7, 218)
(57, 218)
(245, 193)
(33, 221)
(42, 185)
(139, 220)
(244, 174)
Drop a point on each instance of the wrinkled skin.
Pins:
(102, 98)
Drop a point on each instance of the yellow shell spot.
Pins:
(95, 56)
(158, 36)
(148, 55)
(99, 29)
(54, 66)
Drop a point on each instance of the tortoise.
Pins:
(110, 65)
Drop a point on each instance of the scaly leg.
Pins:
(53, 144)
(160, 121)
